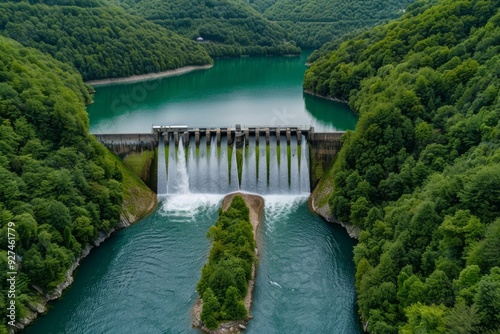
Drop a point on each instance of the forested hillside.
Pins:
(313, 23)
(59, 187)
(232, 27)
(236, 28)
(100, 41)
(261, 5)
(421, 173)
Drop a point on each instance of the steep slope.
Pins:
(232, 27)
(100, 41)
(419, 175)
(313, 23)
(261, 5)
(59, 187)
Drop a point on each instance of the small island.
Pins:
(227, 280)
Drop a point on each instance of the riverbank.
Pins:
(41, 306)
(328, 97)
(318, 203)
(138, 202)
(255, 205)
(149, 76)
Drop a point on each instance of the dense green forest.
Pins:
(100, 41)
(59, 187)
(263, 27)
(333, 44)
(232, 27)
(110, 38)
(313, 23)
(224, 280)
(420, 175)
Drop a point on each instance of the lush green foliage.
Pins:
(313, 23)
(414, 8)
(420, 174)
(224, 280)
(261, 5)
(99, 41)
(232, 27)
(56, 184)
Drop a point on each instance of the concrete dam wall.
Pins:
(124, 144)
(323, 148)
(140, 151)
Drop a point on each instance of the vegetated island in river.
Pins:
(227, 280)
(148, 76)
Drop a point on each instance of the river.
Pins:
(143, 278)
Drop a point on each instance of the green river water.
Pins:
(143, 278)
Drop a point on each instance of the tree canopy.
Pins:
(419, 175)
(313, 23)
(59, 186)
(229, 27)
(224, 279)
(99, 40)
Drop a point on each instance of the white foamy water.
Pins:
(188, 204)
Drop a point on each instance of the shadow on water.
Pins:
(332, 115)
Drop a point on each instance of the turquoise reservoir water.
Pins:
(143, 278)
(248, 91)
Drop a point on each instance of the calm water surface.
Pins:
(248, 91)
(142, 279)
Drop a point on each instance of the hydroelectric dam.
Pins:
(218, 160)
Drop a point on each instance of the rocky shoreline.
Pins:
(41, 306)
(149, 76)
(324, 211)
(255, 205)
(318, 202)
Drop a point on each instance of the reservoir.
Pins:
(247, 91)
(143, 278)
